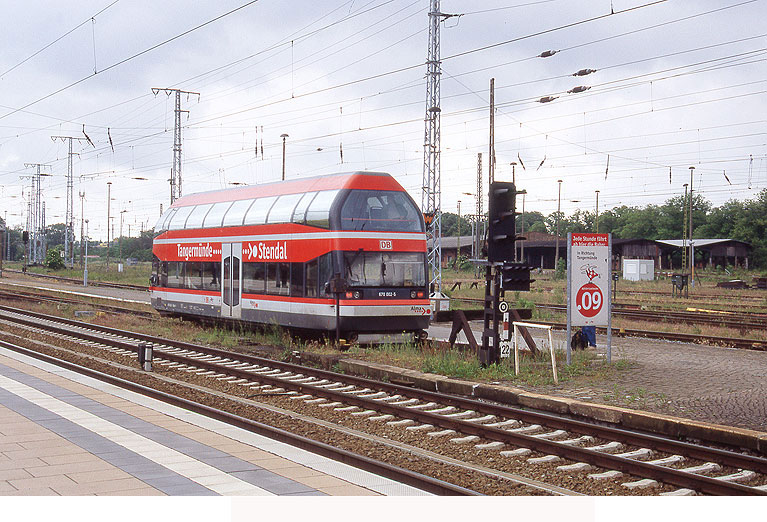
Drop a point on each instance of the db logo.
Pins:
(588, 300)
(386, 244)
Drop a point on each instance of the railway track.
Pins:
(742, 322)
(91, 282)
(32, 297)
(519, 445)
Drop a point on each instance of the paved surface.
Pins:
(65, 434)
(706, 383)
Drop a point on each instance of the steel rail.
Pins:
(639, 468)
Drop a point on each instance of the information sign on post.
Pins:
(588, 283)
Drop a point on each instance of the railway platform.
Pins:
(64, 434)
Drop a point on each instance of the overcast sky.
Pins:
(678, 83)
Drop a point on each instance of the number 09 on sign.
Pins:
(588, 300)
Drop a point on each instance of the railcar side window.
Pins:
(211, 276)
(282, 209)
(312, 274)
(278, 278)
(216, 214)
(259, 210)
(318, 213)
(318, 272)
(197, 216)
(178, 220)
(297, 279)
(236, 213)
(176, 274)
(253, 278)
(193, 276)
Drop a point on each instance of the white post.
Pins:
(516, 350)
(553, 359)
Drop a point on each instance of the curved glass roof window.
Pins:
(162, 223)
(282, 210)
(259, 210)
(178, 221)
(216, 214)
(236, 213)
(197, 216)
(318, 213)
(380, 210)
(299, 214)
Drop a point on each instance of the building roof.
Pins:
(452, 241)
(679, 243)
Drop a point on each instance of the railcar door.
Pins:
(231, 275)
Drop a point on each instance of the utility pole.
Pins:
(175, 177)
(692, 248)
(283, 136)
(491, 160)
(458, 249)
(597, 217)
(120, 241)
(431, 194)
(82, 226)
(109, 205)
(559, 199)
(684, 230)
(480, 211)
(69, 220)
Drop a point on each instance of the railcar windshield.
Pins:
(387, 269)
(374, 210)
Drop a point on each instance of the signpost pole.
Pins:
(568, 348)
(609, 299)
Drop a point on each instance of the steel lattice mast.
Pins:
(69, 232)
(175, 177)
(431, 196)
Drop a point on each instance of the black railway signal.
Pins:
(501, 236)
(516, 276)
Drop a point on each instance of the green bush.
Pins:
(53, 260)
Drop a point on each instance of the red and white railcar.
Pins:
(275, 254)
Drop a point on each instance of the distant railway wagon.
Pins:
(346, 249)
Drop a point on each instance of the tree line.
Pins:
(740, 220)
(120, 248)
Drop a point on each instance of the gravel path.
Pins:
(707, 383)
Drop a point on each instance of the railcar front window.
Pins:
(380, 211)
(395, 269)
